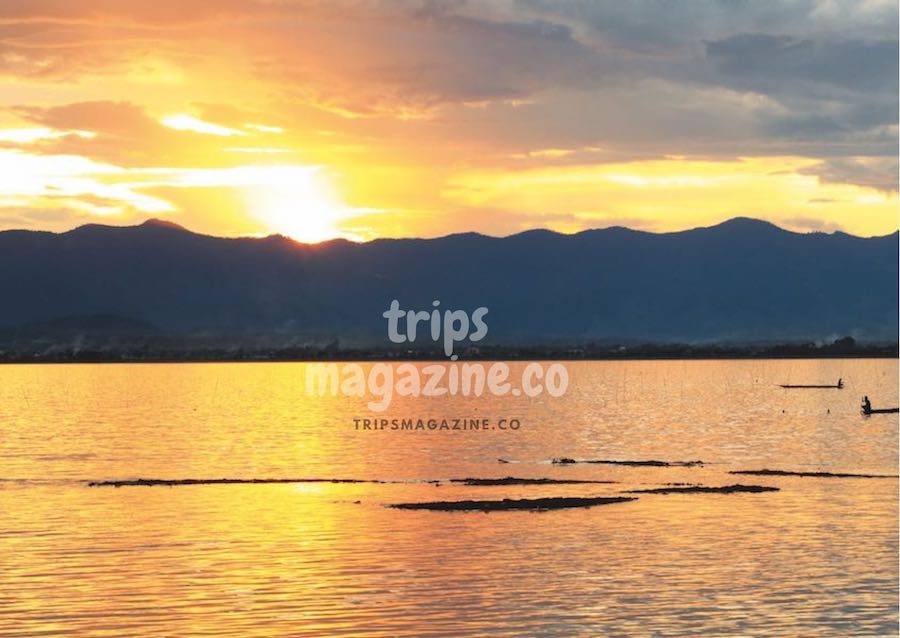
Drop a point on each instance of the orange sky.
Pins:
(364, 119)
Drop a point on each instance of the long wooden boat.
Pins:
(880, 411)
(836, 386)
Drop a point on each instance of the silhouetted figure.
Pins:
(866, 405)
(840, 383)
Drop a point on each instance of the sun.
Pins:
(297, 201)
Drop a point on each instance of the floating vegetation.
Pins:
(810, 474)
(508, 504)
(220, 481)
(705, 489)
(563, 460)
(511, 480)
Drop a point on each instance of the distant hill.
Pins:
(742, 280)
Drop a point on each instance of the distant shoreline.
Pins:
(842, 349)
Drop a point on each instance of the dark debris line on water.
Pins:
(507, 504)
(704, 489)
(220, 481)
(810, 474)
(563, 460)
(511, 480)
(474, 482)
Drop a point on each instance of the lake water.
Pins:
(817, 558)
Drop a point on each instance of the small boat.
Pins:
(868, 411)
(837, 386)
(866, 408)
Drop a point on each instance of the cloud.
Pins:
(158, 12)
(123, 134)
(121, 119)
(841, 90)
(409, 60)
(812, 224)
(18, 136)
(763, 59)
(73, 182)
(415, 94)
(873, 172)
(185, 122)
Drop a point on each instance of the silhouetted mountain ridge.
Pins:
(741, 280)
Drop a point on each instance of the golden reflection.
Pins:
(313, 559)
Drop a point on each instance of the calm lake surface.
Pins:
(818, 558)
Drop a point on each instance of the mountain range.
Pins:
(742, 280)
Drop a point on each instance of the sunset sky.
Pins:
(370, 119)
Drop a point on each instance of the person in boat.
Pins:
(866, 405)
(840, 383)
